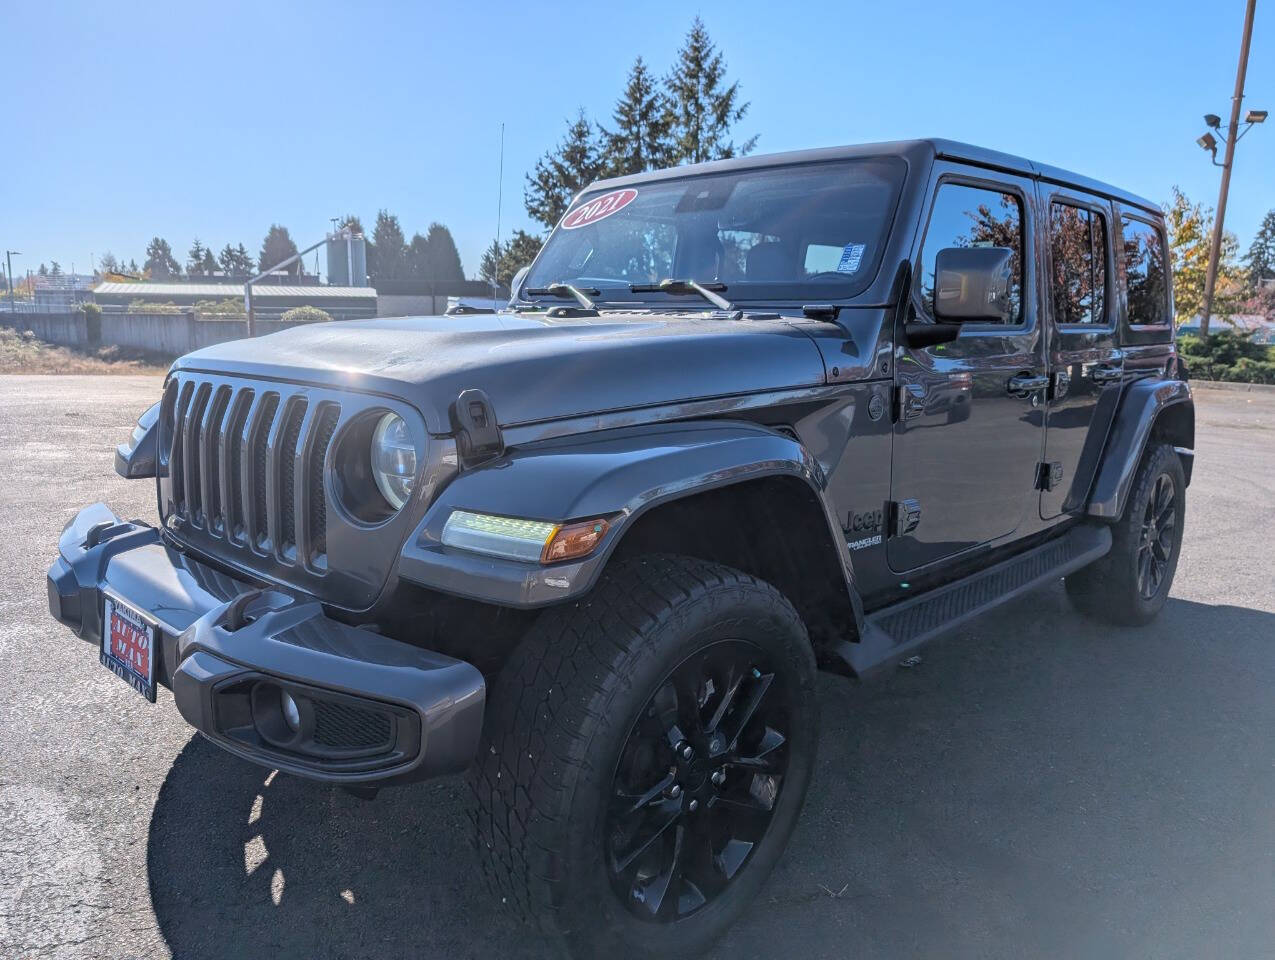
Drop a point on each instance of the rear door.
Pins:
(1085, 363)
(969, 418)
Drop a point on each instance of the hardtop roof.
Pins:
(911, 150)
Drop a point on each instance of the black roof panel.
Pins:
(911, 150)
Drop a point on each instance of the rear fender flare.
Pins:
(1142, 405)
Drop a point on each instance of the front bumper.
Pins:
(373, 710)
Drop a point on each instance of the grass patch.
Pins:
(24, 352)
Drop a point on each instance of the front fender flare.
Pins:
(1143, 402)
(618, 474)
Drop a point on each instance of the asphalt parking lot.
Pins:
(1040, 786)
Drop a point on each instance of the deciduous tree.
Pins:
(1190, 228)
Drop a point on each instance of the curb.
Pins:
(1236, 387)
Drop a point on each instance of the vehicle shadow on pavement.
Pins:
(1019, 793)
(243, 863)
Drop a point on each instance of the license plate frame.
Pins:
(130, 645)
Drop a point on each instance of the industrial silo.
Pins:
(347, 260)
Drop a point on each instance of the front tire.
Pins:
(646, 754)
(1130, 585)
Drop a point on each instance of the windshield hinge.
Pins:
(821, 311)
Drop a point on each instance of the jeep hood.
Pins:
(533, 367)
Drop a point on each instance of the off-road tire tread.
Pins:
(1108, 589)
(554, 684)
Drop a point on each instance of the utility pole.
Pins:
(1215, 250)
(8, 256)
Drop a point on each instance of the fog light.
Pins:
(291, 712)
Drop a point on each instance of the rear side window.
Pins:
(1078, 255)
(965, 216)
(1146, 281)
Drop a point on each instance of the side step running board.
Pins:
(893, 632)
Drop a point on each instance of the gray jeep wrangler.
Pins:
(739, 422)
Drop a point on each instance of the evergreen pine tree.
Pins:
(1260, 259)
(638, 141)
(390, 260)
(562, 172)
(701, 109)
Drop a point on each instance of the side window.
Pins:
(966, 216)
(1078, 254)
(1146, 282)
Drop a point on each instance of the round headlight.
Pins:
(393, 459)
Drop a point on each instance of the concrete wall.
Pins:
(66, 329)
(170, 334)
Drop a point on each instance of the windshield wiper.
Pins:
(565, 290)
(683, 288)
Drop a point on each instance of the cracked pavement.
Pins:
(1039, 785)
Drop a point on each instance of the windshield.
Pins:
(814, 231)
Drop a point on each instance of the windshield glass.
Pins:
(813, 231)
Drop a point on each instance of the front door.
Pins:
(1084, 361)
(969, 416)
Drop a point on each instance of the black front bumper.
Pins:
(371, 710)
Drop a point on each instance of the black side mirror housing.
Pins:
(971, 284)
(135, 460)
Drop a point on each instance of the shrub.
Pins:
(1228, 355)
(306, 314)
(92, 322)
(229, 305)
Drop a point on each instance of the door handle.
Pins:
(1025, 383)
(1106, 373)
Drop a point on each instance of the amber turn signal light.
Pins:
(574, 540)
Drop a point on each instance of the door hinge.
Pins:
(1049, 475)
(905, 515)
(909, 401)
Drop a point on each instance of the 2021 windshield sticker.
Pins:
(851, 257)
(599, 208)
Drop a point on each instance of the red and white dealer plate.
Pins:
(598, 208)
(128, 646)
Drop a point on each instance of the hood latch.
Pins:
(478, 436)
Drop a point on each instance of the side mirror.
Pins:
(972, 284)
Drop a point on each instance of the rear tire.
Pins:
(1130, 584)
(634, 788)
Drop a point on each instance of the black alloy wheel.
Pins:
(1155, 547)
(697, 781)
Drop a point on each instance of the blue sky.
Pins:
(127, 121)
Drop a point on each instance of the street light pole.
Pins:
(1215, 250)
(8, 257)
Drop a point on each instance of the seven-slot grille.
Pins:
(245, 465)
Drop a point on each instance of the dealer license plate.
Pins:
(128, 647)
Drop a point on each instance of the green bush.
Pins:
(306, 314)
(92, 322)
(229, 305)
(1228, 355)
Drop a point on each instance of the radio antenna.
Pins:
(500, 188)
